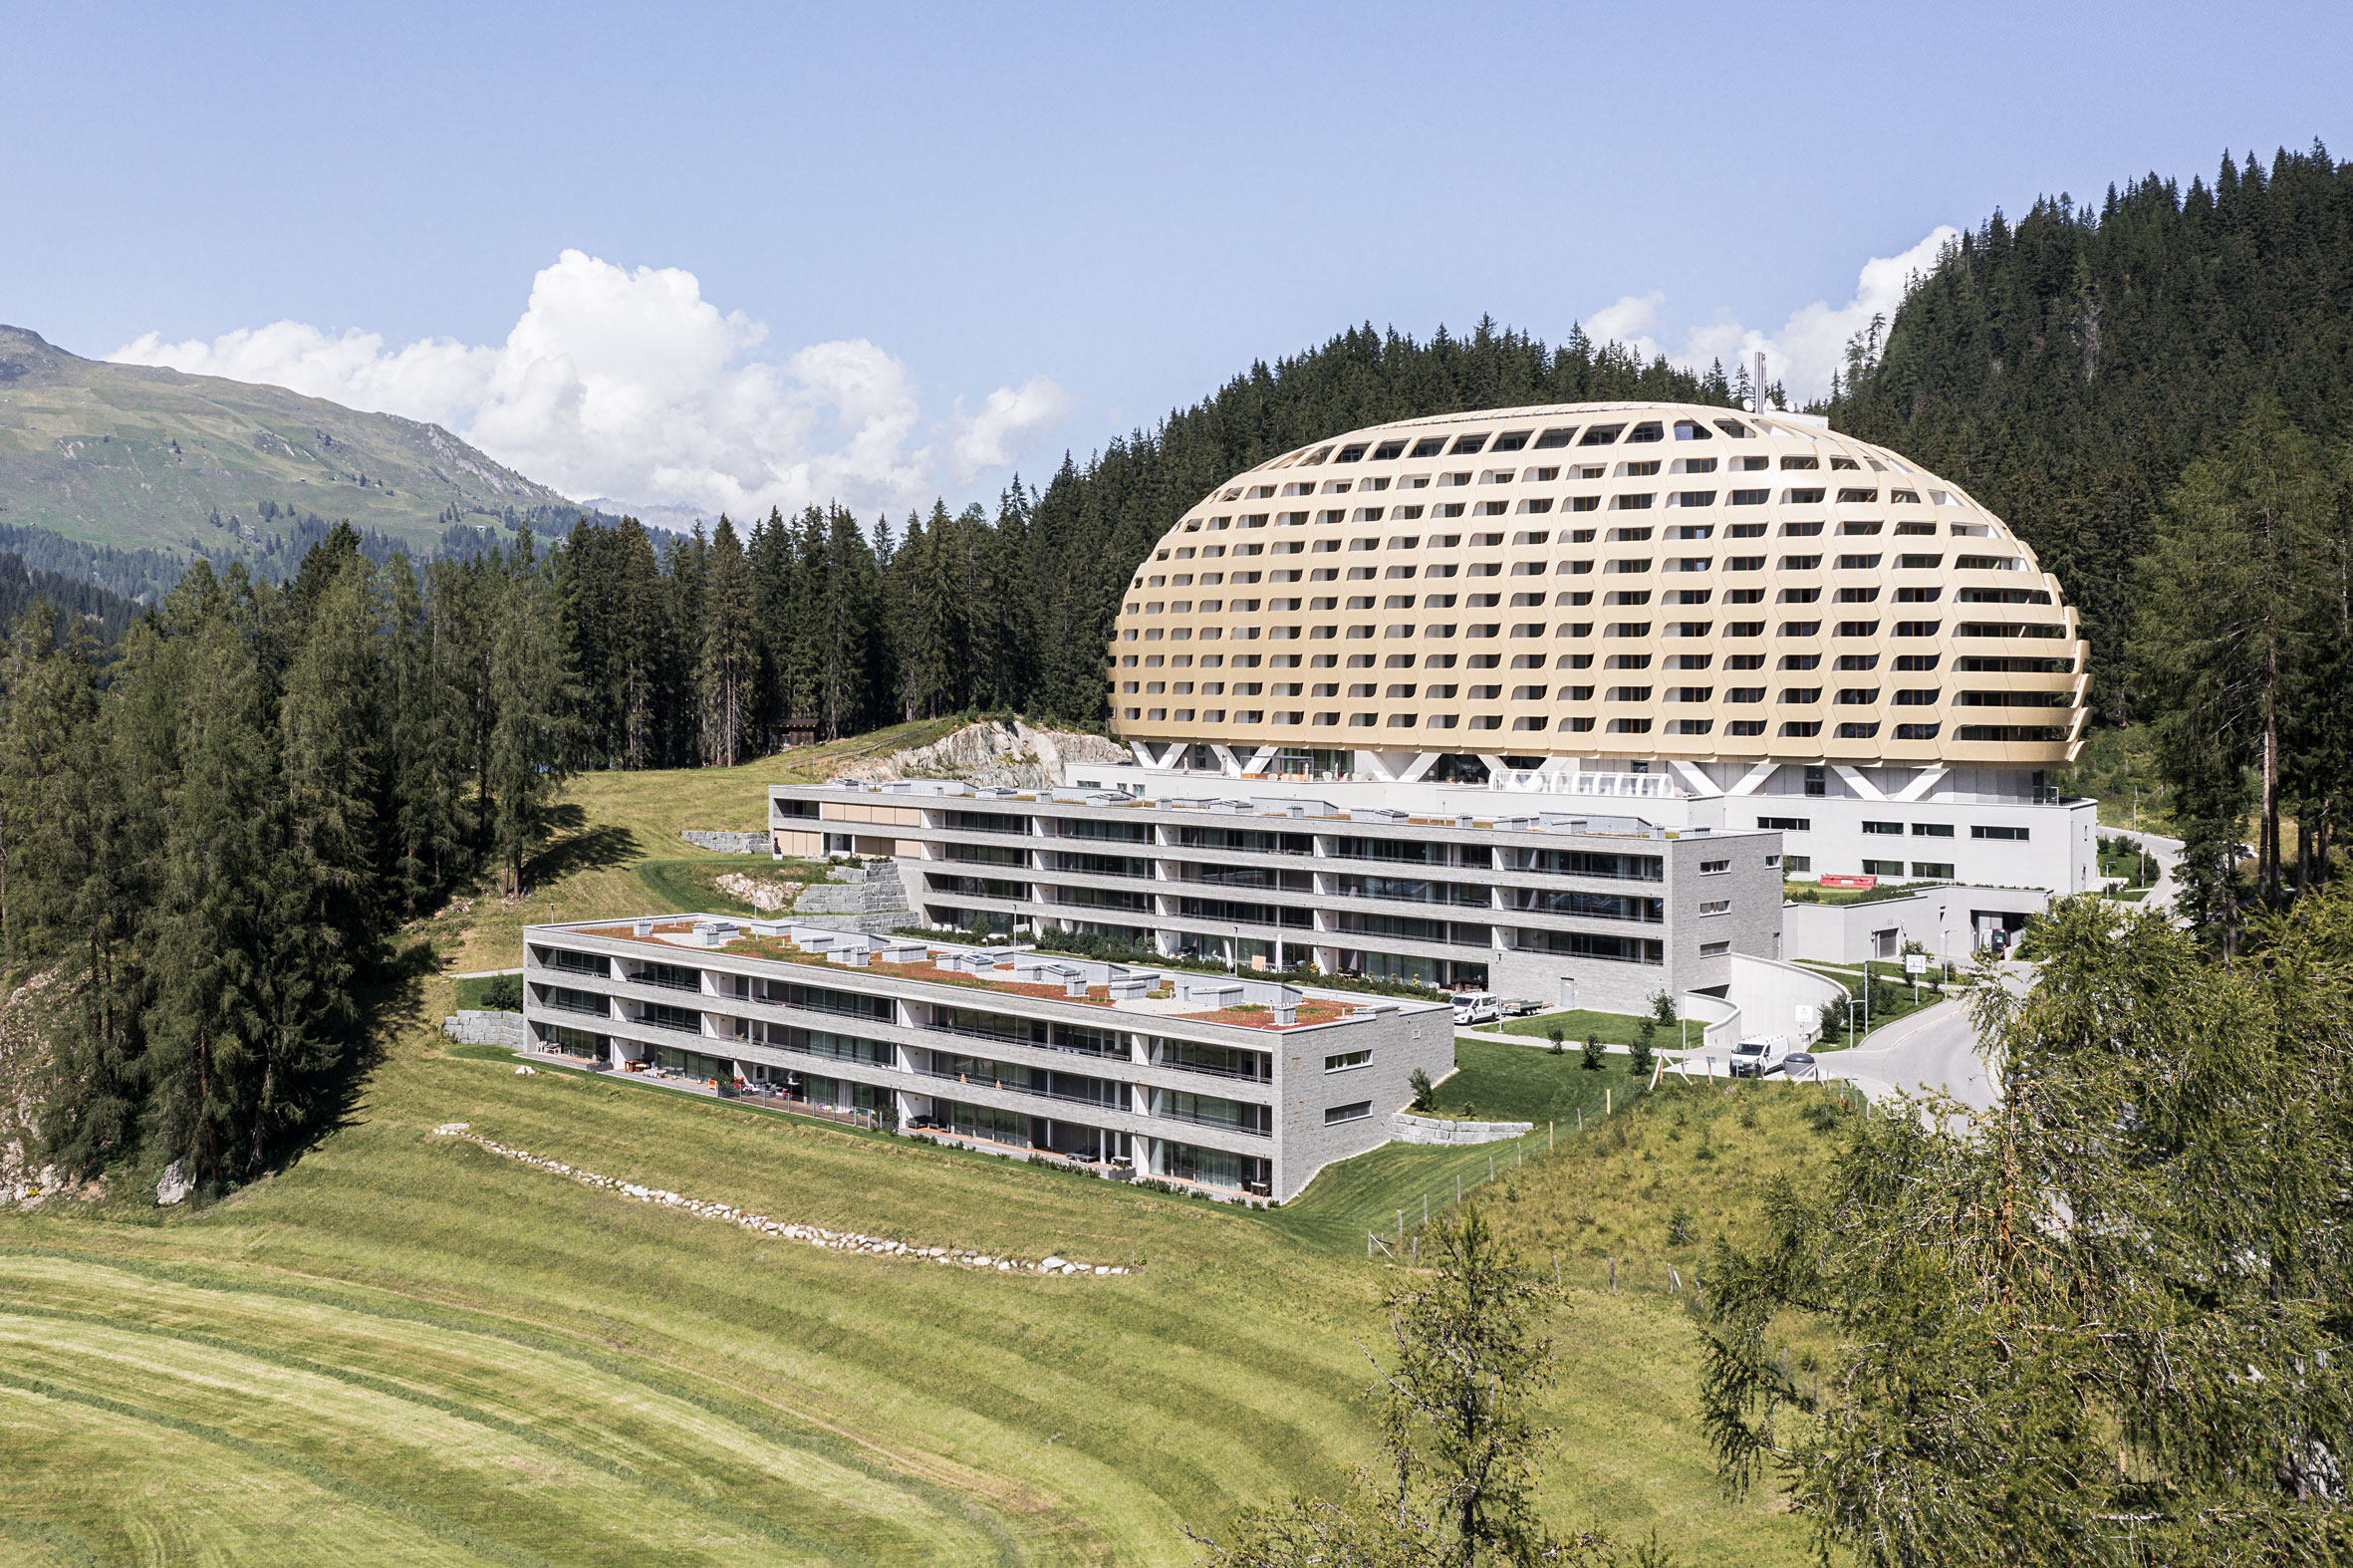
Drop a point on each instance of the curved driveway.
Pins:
(1933, 1048)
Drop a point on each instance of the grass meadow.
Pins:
(406, 1349)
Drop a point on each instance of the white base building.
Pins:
(1994, 828)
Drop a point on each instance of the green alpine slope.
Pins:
(133, 456)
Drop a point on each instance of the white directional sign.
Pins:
(1915, 963)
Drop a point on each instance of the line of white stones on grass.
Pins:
(814, 1235)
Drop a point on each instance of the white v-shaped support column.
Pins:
(1754, 778)
(1918, 788)
(1702, 787)
(1858, 783)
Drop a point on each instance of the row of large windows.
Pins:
(1443, 631)
(1633, 566)
(1675, 631)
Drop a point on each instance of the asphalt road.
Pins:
(1933, 1048)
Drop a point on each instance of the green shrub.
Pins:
(1592, 1053)
(1644, 1059)
(1425, 1093)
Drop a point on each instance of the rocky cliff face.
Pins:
(1003, 755)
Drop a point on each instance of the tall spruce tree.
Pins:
(530, 745)
(731, 650)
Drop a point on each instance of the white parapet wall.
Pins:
(1948, 921)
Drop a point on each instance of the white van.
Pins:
(1476, 1007)
(1760, 1054)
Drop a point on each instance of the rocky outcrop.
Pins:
(869, 898)
(760, 892)
(24, 1060)
(994, 753)
(174, 1186)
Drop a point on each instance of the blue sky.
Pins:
(862, 222)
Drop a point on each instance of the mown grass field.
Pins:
(406, 1349)
(1575, 1023)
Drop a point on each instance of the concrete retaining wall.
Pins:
(1781, 999)
(728, 843)
(472, 1026)
(1407, 1128)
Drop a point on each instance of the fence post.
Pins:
(1613, 1275)
(1556, 1270)
(1607, 1105)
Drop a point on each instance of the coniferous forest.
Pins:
(211, 831)
(2157, 394)
(694, 652)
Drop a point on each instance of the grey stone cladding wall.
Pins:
(728, 843)
(1410, 1129)
(1415, 1039)
(472, 1026)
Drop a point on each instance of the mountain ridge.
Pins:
(142, 456)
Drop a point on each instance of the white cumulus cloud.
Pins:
(631, 385)
(1804, 352)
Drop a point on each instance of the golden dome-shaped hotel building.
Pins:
(1698, 617)
(1548, 701)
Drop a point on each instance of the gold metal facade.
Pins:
(1605, 581)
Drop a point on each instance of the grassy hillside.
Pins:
(617, 849)
(135, 456)
(406, 1348)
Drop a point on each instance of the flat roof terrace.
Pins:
(1267, 810)
(1122, 990)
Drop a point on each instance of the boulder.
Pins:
(176, 1187)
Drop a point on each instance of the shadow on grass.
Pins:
(693, 884)
(578, 847)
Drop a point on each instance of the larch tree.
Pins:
(2103, 1321)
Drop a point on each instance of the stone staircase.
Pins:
(867, 898)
